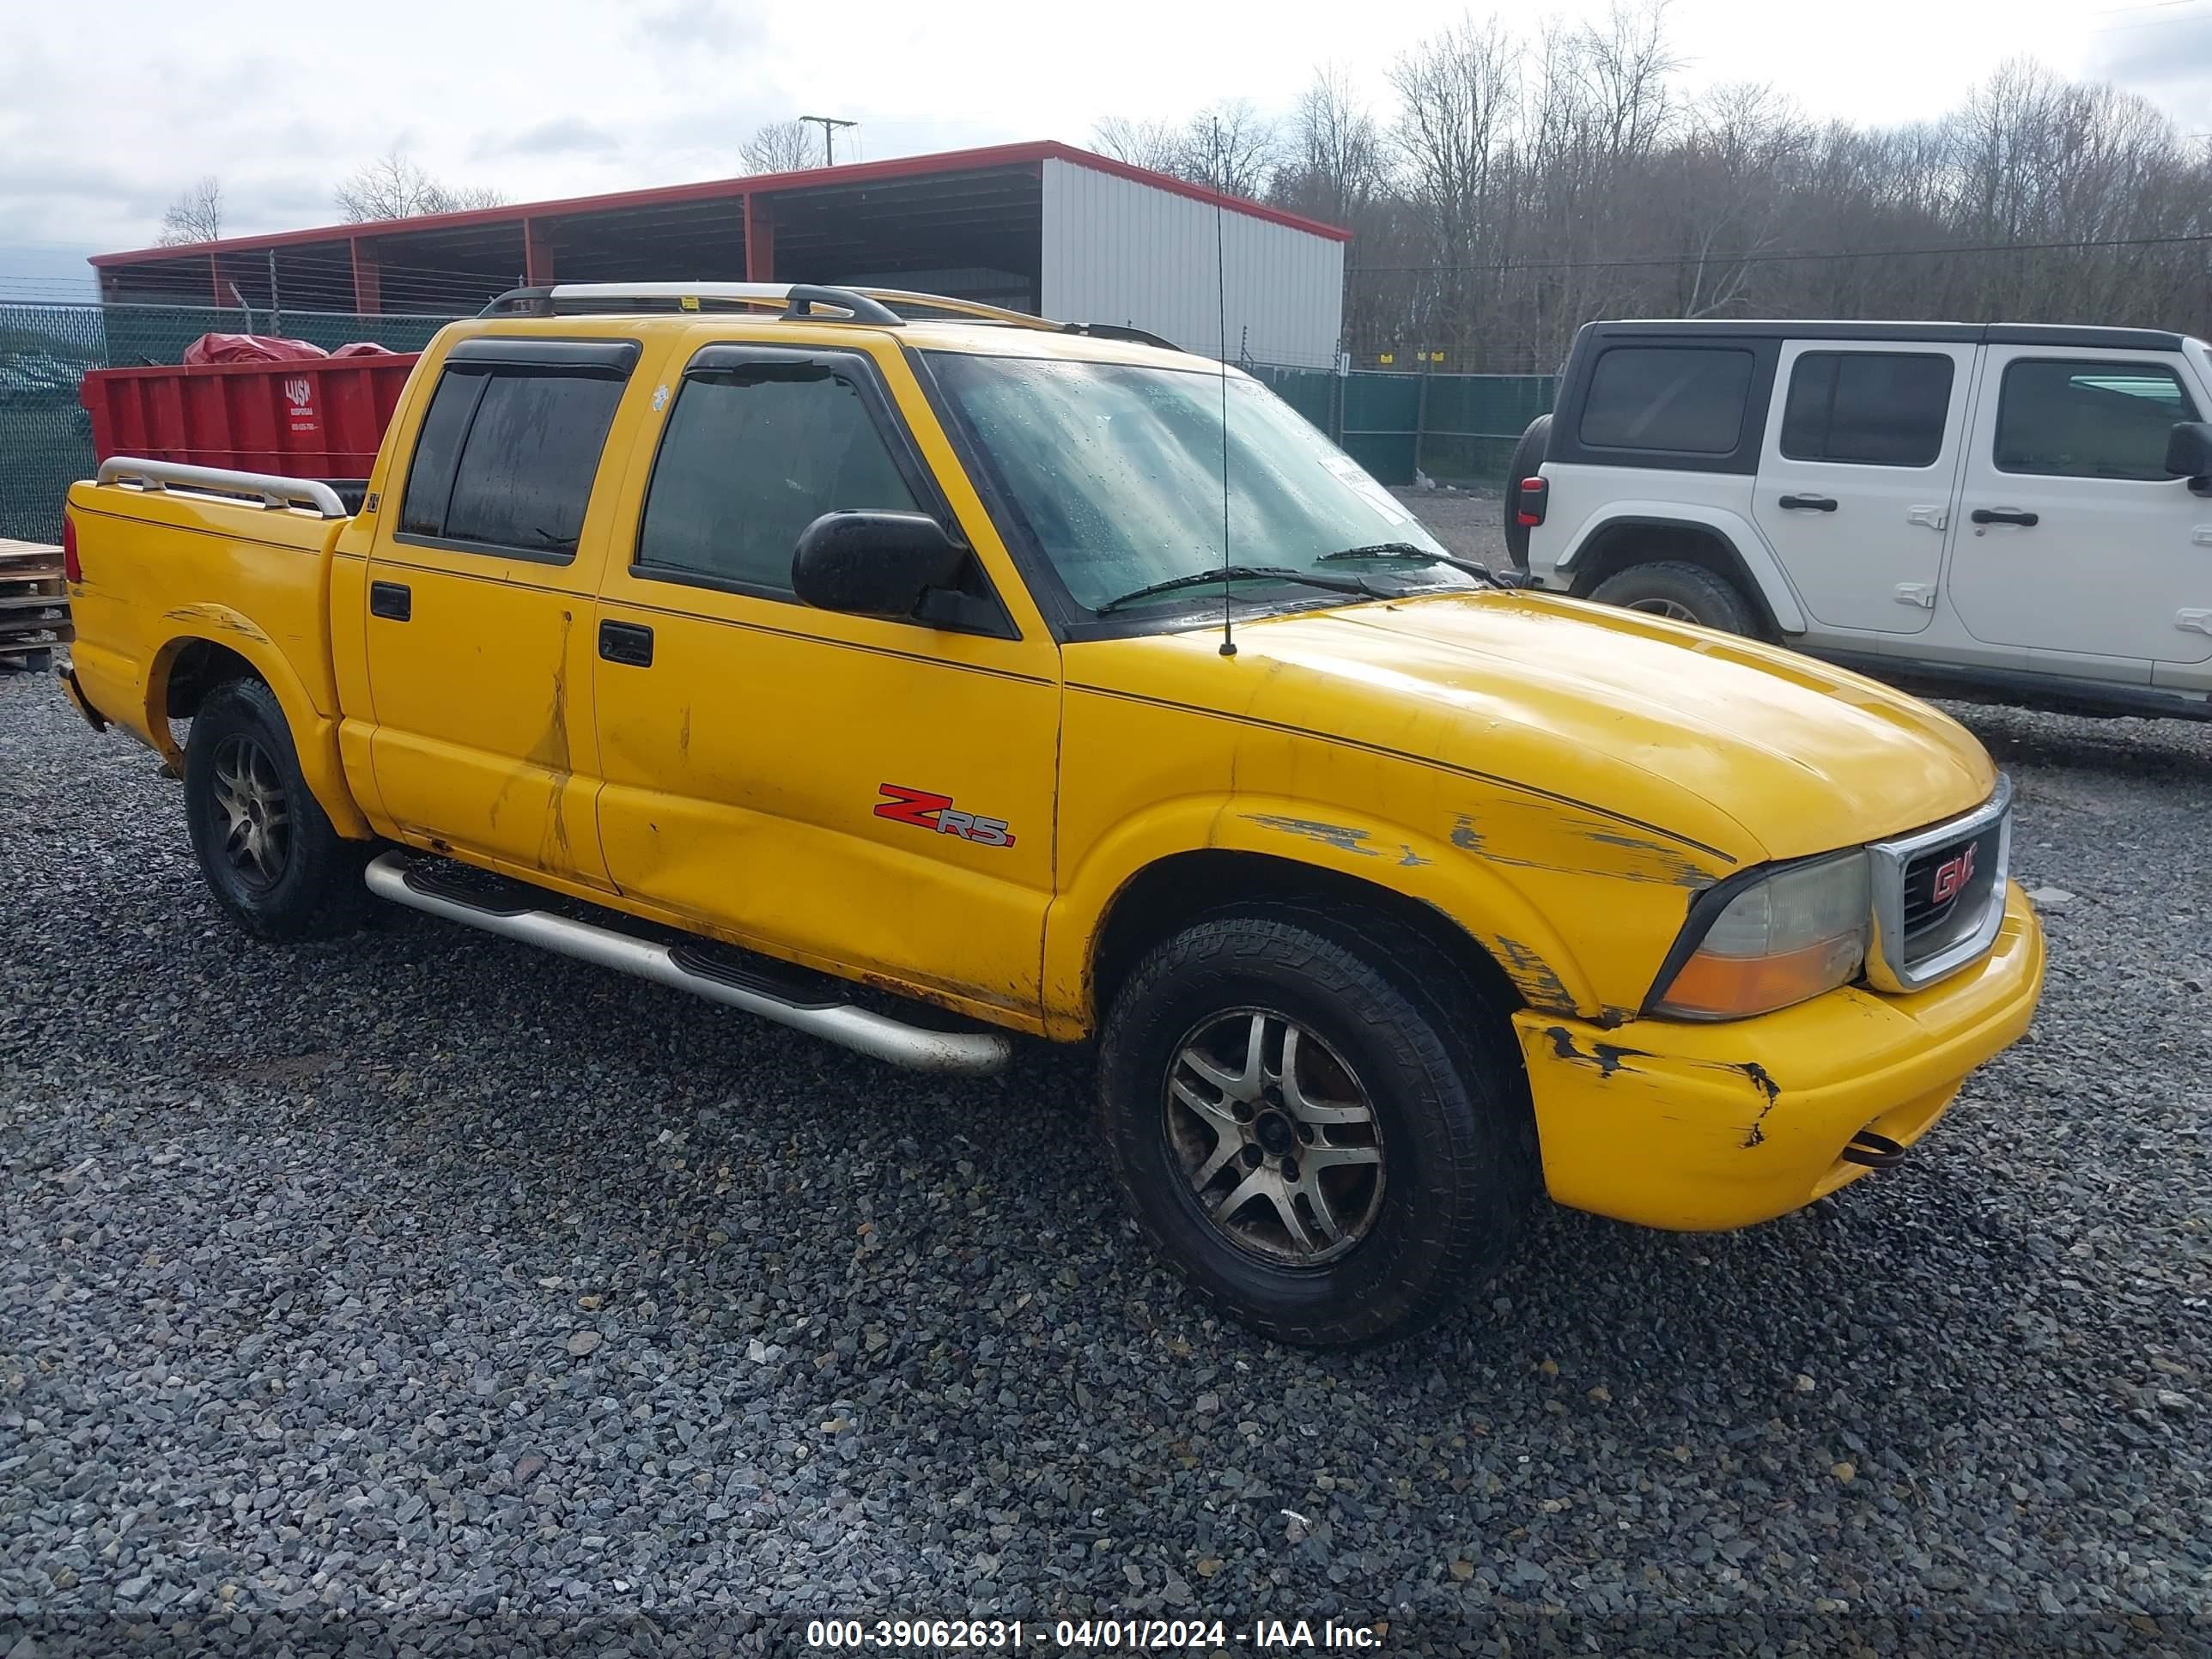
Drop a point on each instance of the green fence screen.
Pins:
(46, 436)
(1456, 428)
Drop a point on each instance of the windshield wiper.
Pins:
(1228, 572)
(1407, 550)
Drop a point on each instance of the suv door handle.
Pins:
(2003, 515)
(1816, 503)
(626, 642)
(395, 601)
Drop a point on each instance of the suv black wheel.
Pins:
(1311, 1126)
(1528, 456)
(271, 856)
(1686, 593)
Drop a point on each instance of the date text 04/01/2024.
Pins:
(1202, 1635)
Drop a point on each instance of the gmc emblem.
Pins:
(1952, 876)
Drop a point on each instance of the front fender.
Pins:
(1473, 891)
(1741, 534)
(314, 732)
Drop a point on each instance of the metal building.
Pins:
(1039, 227)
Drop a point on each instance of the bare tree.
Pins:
(1230, 148)
(394, 187)
(1154, 144)
(780, 147)
(196, 215)
(1335, 151)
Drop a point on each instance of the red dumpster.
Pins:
(320, 418)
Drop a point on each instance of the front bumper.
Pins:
(1702, 1128)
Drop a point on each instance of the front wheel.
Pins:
(270, 855)
(1331, 1149)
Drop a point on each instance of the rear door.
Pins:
(482, 610)
(2073, 540)
(1856, 478)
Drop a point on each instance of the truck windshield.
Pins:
(1114, 471)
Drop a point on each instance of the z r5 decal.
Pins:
(926, 811)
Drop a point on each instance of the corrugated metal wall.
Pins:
(1118, 252)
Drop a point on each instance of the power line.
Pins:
(1796, 255)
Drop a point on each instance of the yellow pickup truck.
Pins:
(914, 674)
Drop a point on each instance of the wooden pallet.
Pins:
(35, 613)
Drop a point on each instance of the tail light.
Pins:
(71, 569)
(1535, 494)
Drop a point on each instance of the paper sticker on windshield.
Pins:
(1374, 494)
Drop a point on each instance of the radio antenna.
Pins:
(1221, 314)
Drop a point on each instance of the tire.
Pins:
(1528, 456)
(1382, 1028)
(1686, 593)
(271, 857)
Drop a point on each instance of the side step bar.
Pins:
(968, 1054)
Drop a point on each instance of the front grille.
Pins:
(1946, 890)
(1939, 895)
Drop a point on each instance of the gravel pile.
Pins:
(423, 1278)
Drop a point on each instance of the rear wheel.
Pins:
(1323, 1140)
(1682, 593)
(271, 856)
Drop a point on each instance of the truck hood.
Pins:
(1743, 749)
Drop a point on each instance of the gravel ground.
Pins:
(423, 1282)
(1468, 522)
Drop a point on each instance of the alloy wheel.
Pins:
(1275, 1134)
(257, 818)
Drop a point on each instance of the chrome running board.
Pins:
(968, 1054)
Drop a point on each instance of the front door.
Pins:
(849, 792)
(1856, 476)
(2072, 537)
(482, 607)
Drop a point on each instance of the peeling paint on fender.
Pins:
(1341, 836)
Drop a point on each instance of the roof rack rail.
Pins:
(877, 307)
(584, 299)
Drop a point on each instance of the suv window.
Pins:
(1687, 400)
(2089, 420)
(505, 457)
(1870, 408)
(752, 455)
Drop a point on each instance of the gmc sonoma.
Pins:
(906, 671)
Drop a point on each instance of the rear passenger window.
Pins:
(754, 454)
(1683, 399)
(1868, 408)
(2089, 420)
(505, 457)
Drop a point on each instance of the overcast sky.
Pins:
(567, 97)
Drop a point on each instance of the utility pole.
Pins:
(828, 123)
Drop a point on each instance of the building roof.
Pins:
(857, 173)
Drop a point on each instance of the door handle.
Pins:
(2003, 515)
(1814, 503)
(626, 642)
(394, 601)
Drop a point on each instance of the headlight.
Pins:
(1790, 936)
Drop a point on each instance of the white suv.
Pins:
(2020, 512)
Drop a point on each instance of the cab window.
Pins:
(2078, 419)
(753, 453)
(507, 454)
(1683, 399)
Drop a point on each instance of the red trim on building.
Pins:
(859, 173)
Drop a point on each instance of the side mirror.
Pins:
(873, 564)
(2189, 453)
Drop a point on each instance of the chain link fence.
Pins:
(1455, 429)
(46, 436)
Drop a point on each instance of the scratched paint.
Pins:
(1341, 836)
(1540, 836)
(1536, 978)
(1610, 1058)
(216, 616)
